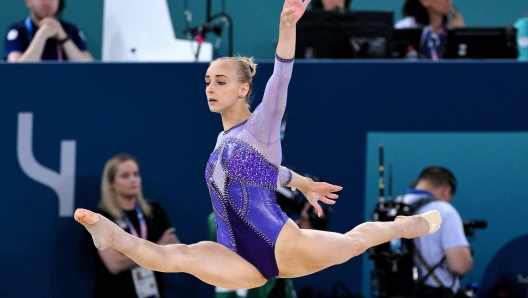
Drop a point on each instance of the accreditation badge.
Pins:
(145, 282)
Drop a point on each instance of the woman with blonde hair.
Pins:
(122, 201)
(256, 240)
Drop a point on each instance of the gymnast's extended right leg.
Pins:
(209, 261)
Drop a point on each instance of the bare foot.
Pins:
(423, 227)
(86, 217)
(434, 219)
(103, 230)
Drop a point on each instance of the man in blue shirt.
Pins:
(41, 36)
(449, 246)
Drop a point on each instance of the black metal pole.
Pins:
(208, 12)
(381, 182)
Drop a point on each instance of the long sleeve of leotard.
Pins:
(285, 176)
(264, 124)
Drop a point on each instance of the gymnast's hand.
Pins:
(321, 191)
(293, 10)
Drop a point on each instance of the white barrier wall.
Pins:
(142, 30)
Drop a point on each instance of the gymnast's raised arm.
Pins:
(265, 122)
(292, 12)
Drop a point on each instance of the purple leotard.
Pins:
(243, 174)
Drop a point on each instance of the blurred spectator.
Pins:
(43, 36)
(122, 201)
(435, 17)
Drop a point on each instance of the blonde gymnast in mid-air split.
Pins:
(256, 240)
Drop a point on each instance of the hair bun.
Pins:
(252, 65)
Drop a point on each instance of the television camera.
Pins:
(471, 225)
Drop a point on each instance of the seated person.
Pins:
(434, 17)
(42, 36)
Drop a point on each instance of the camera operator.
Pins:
(445, 255)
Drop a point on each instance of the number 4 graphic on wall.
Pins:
(62, 183)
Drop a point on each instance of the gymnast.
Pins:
(256, 240)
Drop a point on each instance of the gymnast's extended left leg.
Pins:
(302, 252)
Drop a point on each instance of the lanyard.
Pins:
(29, 28)
(433, 42)
(59, 52)
(142, 224)
(423, 193)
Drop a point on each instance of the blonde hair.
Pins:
(108, 201)
(246, 68)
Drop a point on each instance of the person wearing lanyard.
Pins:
(122, 200)
(42, 36)
(435, 17)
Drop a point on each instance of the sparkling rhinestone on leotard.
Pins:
(243, 174)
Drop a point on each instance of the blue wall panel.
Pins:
(158, 112)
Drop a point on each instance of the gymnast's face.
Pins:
(223, 89)
(127, 181)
